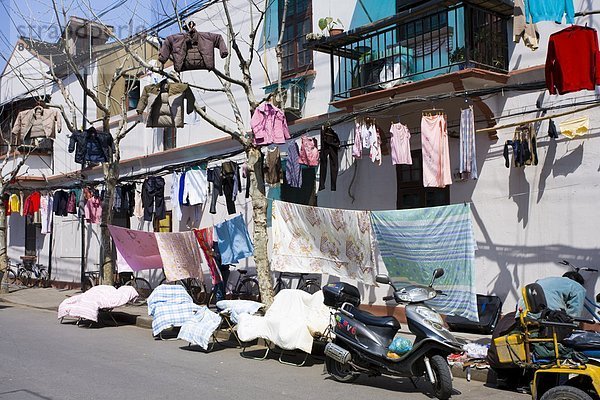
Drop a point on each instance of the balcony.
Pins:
(429, 40)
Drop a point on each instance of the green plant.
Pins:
(328, 23)
(457, 55)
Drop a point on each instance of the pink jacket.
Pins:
(309, 153)
(93, 210)
(269, 125)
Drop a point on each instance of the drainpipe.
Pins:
(82, 216)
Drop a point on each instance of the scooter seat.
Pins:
(369, 319)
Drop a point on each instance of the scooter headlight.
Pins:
(430, 315)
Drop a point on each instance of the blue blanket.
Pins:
(415, 242)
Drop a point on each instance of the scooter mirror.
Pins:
(438, 273)
(382, 278)
(598, 298)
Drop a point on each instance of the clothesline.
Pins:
(513, 124)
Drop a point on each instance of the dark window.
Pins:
(169, 138)
(165, 224)
(411, 193)
(132, 88)
(298, 22)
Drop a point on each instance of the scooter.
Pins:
(362, 339)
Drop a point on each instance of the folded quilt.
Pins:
(235, 308)
(200, 327)
(290, 323)
(86, 305)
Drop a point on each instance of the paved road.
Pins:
(41, 359)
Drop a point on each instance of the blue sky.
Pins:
(36, 18)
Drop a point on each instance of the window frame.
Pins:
(171, 134)
(294, 21)
(415, 186)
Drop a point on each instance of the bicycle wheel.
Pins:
(11, 277)
(143, 288)
(43, 279)
(87, 284)
(280, 285)
(311, 287)
(24, 277)
(248, 290)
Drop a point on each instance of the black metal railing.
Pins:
(434, 43)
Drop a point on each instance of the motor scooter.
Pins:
(361, 339)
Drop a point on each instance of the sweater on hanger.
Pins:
(549, 10)
(572, 60)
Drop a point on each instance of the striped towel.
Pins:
(415, 242)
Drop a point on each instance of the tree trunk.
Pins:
(111, 176)
(3, 248)
(259, 215)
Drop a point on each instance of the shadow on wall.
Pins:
(509, 258)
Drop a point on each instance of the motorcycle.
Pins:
(362, 339)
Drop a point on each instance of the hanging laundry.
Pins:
(366, 136)
(415, 242)
(138, 210)
(91, 145)
(166, 104)
(552, 132)
(575, 127)
(138, 248)
(436, 153)
(549, 10)
(272, 168)
(234, 240)
(468, 149)
(175, 204)
(192, 50)
(255, 166)
(215, 177)
(5, 200)
(230, 173)
(523, 28)
(93, 210)
(180, 255)
(571, 62)
(195, 189)
(32, 204)
(59, 204)
(330, 146)
(269, 125)
(309, 151)
(46, 214)
(205, 240)
(400, 144)
(524, 147)
(72, 203)
(322, 240)
(153, 198)
(15, 204)
(293, 170)
(38, 122)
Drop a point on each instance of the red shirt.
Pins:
(32, 204)
(573, 60)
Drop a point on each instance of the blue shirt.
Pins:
(549, 10)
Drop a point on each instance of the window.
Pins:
(169, 138)
(298, 22)
(132, 88)
(411, 193)
(165, 224)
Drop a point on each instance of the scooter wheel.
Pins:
(442, 388)
(340, 372)
(565, 393)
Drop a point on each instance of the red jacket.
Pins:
(573, 60)
(32, 204)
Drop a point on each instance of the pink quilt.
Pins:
(86, 305)
(138, 248)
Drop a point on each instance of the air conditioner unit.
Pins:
(292, 99)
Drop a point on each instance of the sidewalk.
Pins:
(50, 298)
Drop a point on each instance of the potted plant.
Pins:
(329, 24)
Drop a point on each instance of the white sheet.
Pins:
(86, 305)
(291, 321)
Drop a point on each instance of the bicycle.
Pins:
(11, 273)
(245, 288)
(40, 275)
(588, 304)
(309, 285)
